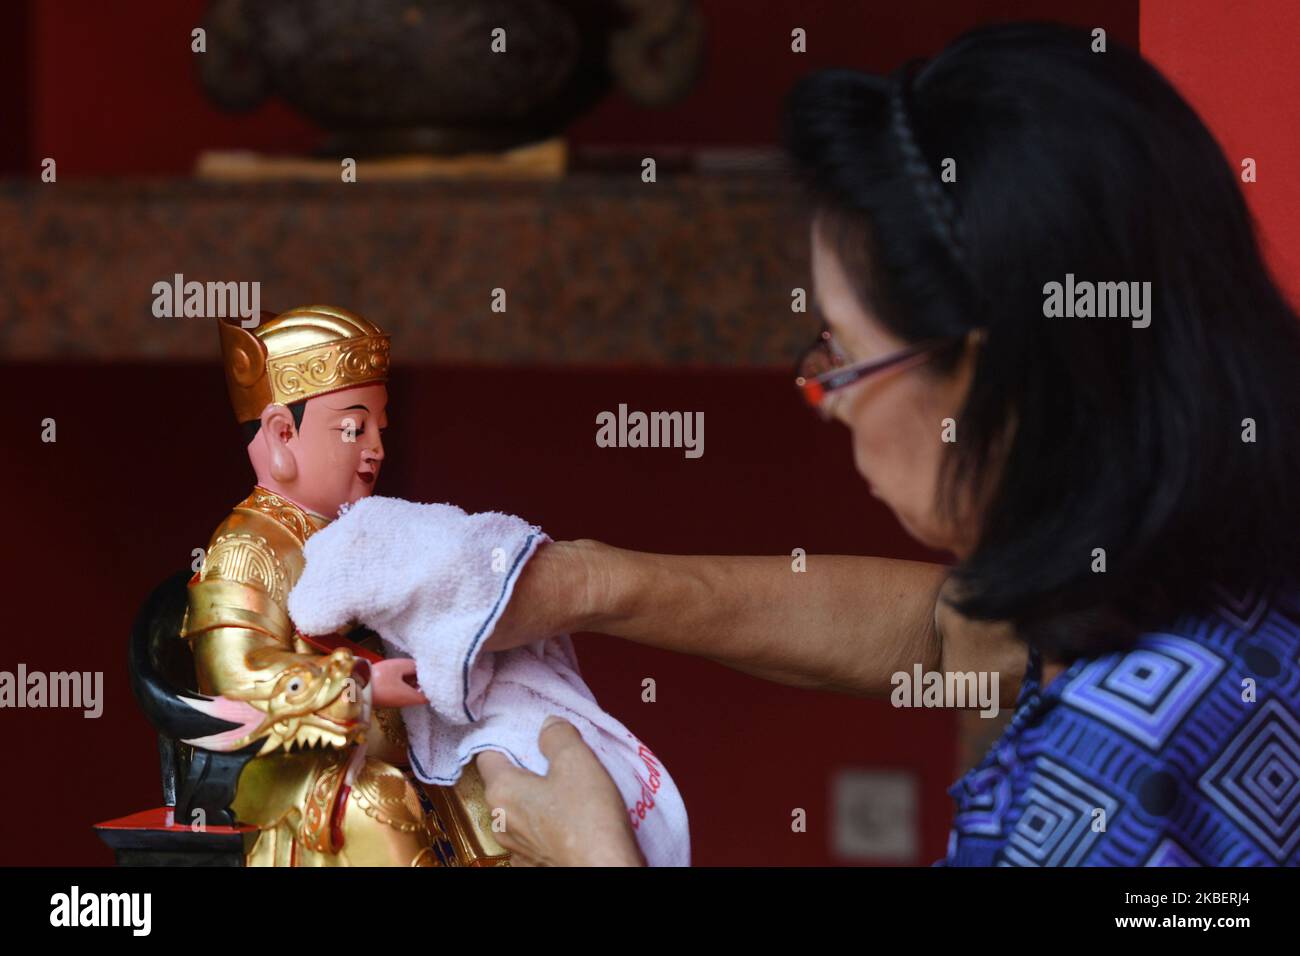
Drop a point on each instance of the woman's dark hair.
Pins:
(1077, 433)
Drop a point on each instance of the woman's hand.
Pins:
(573, 816)
(393, 683)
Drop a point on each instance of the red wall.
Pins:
(1236, 64)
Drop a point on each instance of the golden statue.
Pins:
(329, 785)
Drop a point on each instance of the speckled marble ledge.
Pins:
(597, 269)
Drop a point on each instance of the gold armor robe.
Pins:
(246, 647)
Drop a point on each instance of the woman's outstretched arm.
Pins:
(845, 623)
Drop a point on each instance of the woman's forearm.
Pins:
(845, 623)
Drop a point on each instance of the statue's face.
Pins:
(339, 448)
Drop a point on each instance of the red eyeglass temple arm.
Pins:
(813, 392)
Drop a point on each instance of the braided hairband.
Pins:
(939, 207)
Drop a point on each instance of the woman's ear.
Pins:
(277, 431)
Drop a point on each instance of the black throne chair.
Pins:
(195, 826)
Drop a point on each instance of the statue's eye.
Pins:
(295, 685)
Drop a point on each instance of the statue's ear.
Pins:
(277, 431)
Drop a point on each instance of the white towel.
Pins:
(432, 581)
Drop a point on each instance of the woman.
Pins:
(1121, 494)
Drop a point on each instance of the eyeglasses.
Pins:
(823, 368)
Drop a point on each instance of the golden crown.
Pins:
(295, 355)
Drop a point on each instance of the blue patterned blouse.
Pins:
(1183, 751)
